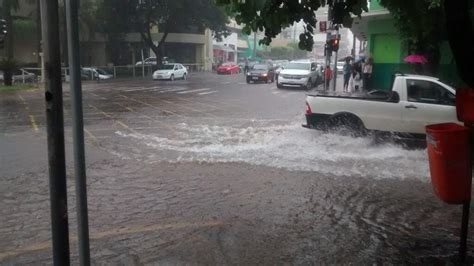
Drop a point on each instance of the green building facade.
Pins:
(387, 50)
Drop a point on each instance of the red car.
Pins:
(228, 68)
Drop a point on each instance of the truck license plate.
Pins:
(254, 78)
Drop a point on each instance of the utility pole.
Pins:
(72, 7)
(255, 46)
(335, 63)
(55, 131)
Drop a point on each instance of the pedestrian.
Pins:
(246, 66)
(346, 71)
(328, 76)
(355, 79)
(367, 73)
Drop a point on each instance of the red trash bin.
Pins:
(465, 105)
(450, 161)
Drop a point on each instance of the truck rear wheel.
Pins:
(347, 125)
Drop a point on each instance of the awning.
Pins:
(360, 25)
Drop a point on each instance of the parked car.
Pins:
(170, 72)
(150, 61)
(228, 68)
(261, 72)
(413, 102)
(97, 73)
(340, 67)
(302, 73)
(20, 75)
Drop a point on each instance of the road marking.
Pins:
(150, 105)
(276, 92)
(207, 92)
(90, 135)
(39, 246)
(190, 108)
(191, 91)
(145, 116)
(116, 120)
(126, 127)
(173, 90)
(31, 117)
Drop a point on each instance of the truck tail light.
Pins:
(308, 109)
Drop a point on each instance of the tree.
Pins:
(8, 64)
(272, 16)
(167, 15)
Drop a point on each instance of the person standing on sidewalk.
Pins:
(355, 79)
(367, 73)
(346, 71)
(328, 76)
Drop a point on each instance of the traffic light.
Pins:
(3, 32)
(334, 43)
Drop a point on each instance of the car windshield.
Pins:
(101, 71)
(260, 67)
(298, 66)
(165, 67)
(227, 64)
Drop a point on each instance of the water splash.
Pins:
(287, 146)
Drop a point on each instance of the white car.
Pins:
(414, 102)
(20, 75)
(304, 74)
(150, 61)
(170, 72)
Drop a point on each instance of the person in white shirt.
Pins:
(367, 74)
(355, 79)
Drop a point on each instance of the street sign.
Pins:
(322, 26)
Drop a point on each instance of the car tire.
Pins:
(172, 77)
(308, 85)
(185, 76)
(279, 85)
(346, 125)
(248, 81)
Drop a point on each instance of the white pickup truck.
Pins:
(414, 102)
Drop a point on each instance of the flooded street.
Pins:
(215, 171)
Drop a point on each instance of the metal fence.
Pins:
(130, 71)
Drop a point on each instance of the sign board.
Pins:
(322, 26)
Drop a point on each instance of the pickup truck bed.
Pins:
(375, 95)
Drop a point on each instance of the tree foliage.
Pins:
(123, 16)
(272, 16)
(420, 22)
(421, 26)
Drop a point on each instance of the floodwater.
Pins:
(222, 178)
(288, 146)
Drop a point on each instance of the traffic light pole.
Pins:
(72, 7)
(55, 132)
(335, 63)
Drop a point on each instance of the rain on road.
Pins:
(212, 170)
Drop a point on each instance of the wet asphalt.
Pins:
(212, 170)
